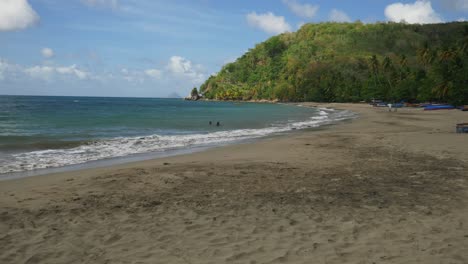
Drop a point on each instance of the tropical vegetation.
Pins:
(351, 62)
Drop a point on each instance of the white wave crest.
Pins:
(125, 146)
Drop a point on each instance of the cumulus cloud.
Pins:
(8, 70)
(49, 72)
(338, 16)
(302, 10)
(47, 53)
(154, 73)
(419, 12)
(113, 4)
(40, 72)
(73, 70)
(268, 22)
(132, 76)
(178, 71)
(16, 15)
(183, 68)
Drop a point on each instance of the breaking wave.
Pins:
(126, 146)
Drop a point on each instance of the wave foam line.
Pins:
(125, 146)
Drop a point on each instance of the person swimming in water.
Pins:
(218, 124)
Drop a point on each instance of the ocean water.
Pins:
(48, 132)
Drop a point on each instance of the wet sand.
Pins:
(384, 188)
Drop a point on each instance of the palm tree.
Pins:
(388, 69)
(445, 67)
(403, 61)
(375, 65)
(426, 56)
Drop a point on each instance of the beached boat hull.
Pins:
(438, 107)
(462, 128)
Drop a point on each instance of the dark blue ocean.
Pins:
(46, 132)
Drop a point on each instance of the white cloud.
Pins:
(113, 4)
(49, 72)
(8, 70)
(338, 16)
(302, 10)
(178, 72)
(184, 68)
(16, 14)
(47, 53)
(129, 76)
(154, 73)
(40, 72)
(461, 19)
(73, 70)
(420, 12)
(268, 22)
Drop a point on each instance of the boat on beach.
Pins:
(438, 107)
(462, 128)
(382, 104)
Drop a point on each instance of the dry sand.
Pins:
(385, 188)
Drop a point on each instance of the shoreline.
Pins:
(386, 187)
(312, 123)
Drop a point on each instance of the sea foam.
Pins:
(126, 146)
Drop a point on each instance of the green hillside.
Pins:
(348, 62)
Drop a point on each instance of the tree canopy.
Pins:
(194, 92)
(348, 62)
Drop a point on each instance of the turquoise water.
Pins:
(47, 132)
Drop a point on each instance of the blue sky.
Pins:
(152, 48)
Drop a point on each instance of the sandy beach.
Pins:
(384, 188)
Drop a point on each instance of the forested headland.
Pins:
(351, 62)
